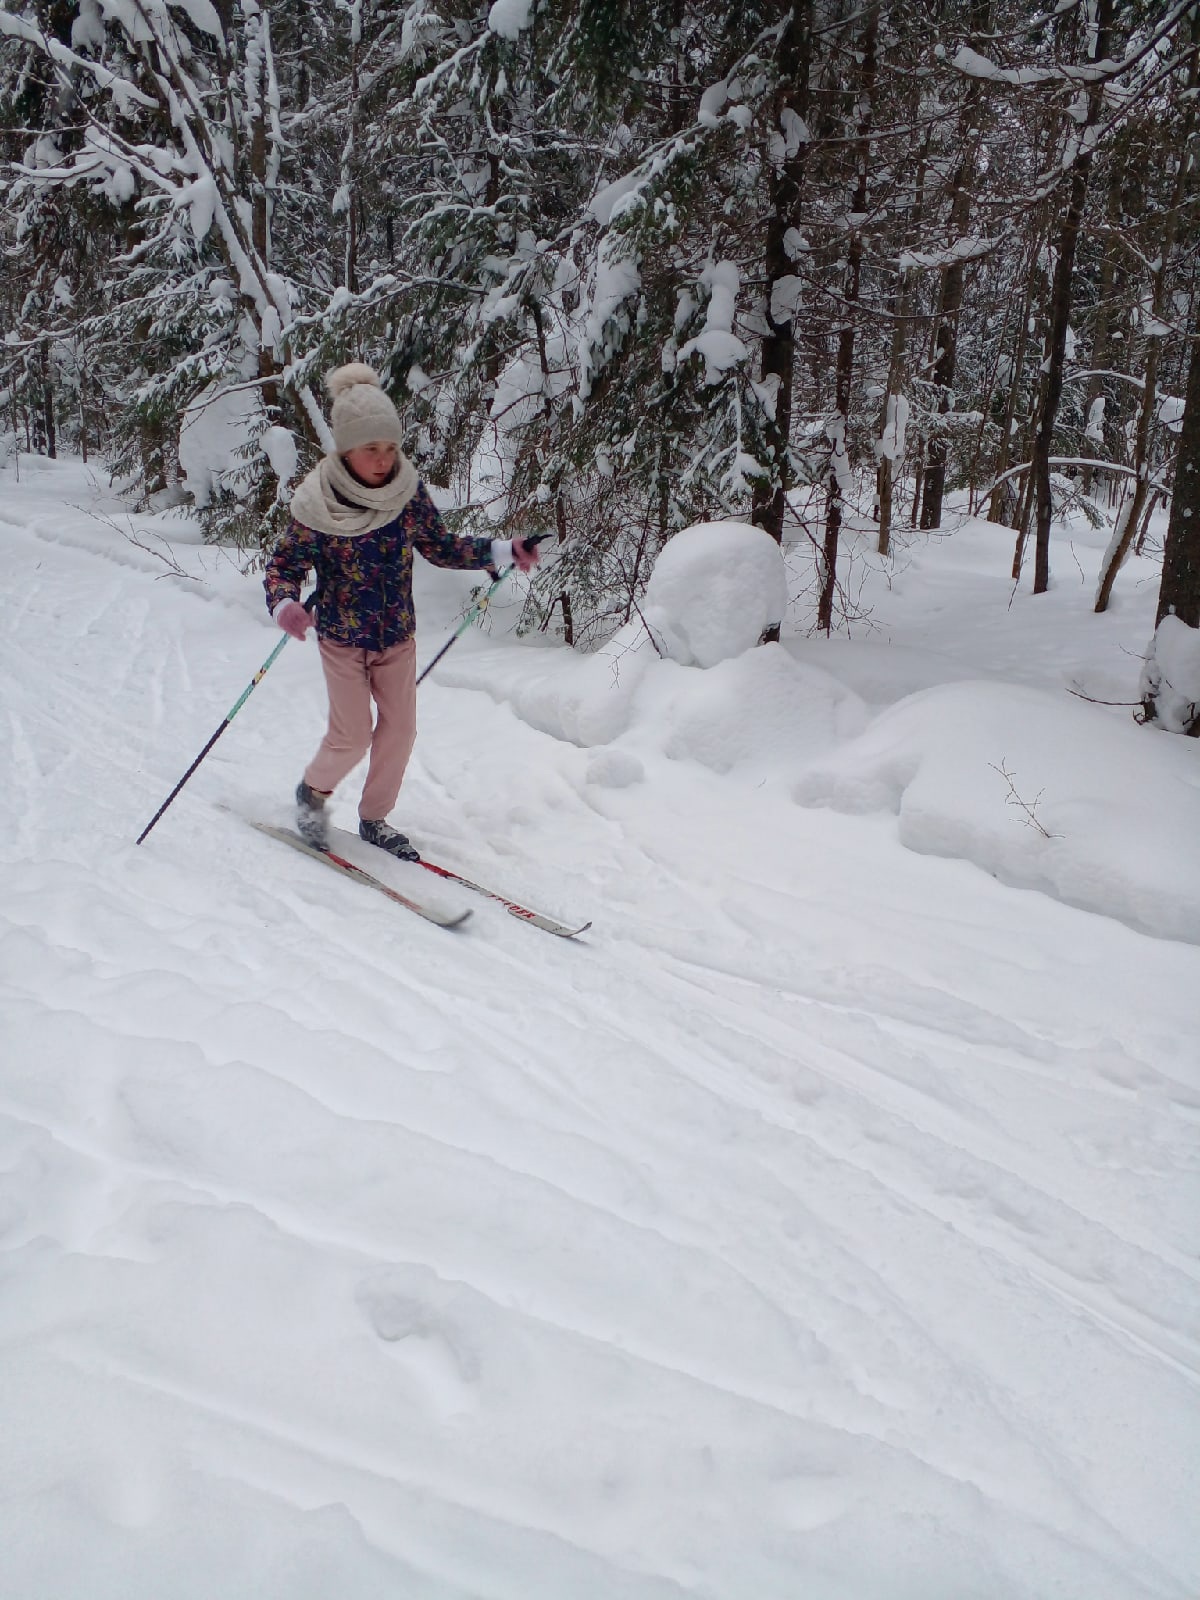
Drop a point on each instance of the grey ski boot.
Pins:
(311, 822)
(387, 838)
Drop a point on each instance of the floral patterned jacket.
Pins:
(364, 595)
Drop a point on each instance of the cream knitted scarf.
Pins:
(330, 500)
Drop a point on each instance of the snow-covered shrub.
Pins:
(714, 591)
(1170, 686)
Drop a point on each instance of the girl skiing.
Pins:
(356, 520)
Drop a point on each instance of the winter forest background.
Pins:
(822, 1220)
(623, 267)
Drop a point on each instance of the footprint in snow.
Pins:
(415, 1313)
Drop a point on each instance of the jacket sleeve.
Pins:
(289, 564)
(437, 544)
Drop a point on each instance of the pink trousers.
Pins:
(354, 678)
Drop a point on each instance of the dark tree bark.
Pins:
(902, 305)
(47, 399)
(1102, 344)
(1164, 703)
(350, 178)
(840, 427)
(786, 187)
(1060, 300)
(1138, 503)
(950, 301)
(1005, 500)
(1179, 591)
(947, 347)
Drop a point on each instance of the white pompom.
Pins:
(343, 378)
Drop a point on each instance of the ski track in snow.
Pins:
(787, 1228)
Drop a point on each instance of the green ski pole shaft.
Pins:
(480, 605)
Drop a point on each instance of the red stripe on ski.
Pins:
(536, 919)
(350, 869)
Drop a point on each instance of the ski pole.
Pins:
(232, 712)
(480, 605)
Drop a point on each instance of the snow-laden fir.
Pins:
(824, 1224)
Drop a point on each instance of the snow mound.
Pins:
(585, 700)
(1061, 797)
(614, 769)
(759, 714)
(714, 588)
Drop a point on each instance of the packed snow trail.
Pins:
(824, 1219)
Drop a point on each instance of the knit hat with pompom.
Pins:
(362, 413)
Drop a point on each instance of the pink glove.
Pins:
(293, 619)
(525, 556)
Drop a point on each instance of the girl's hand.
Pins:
(525, 556)
(293, 619)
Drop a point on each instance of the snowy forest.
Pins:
(750, 1153)
(623, 267)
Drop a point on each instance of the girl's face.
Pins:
(372, 464)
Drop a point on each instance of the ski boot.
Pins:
(311, 822)
(387, 838)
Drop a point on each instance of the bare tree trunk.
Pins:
(883, 496)
(769, 501)
(1102, 328)
(83, 421)
(677, 110)
(1060, 299)
(1040, 334)
(258, 171)
(1179, 590)
(947, 348)
(897, 372)
(259, 38)
(839, 466)
(350, 159)
(1131, 512)
(990, 385)
(950, 304)
(918, 481)
(786, 186)
(1024, 515)
(47, 398)
(1144, 530)
(1004, 455)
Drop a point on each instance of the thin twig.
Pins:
(1029, 807)
(1079, 695)
(169, 559)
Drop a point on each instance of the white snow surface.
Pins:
(822, 1223)
(509, 18)
(998, 774)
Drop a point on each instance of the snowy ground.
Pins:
(824, 1224)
